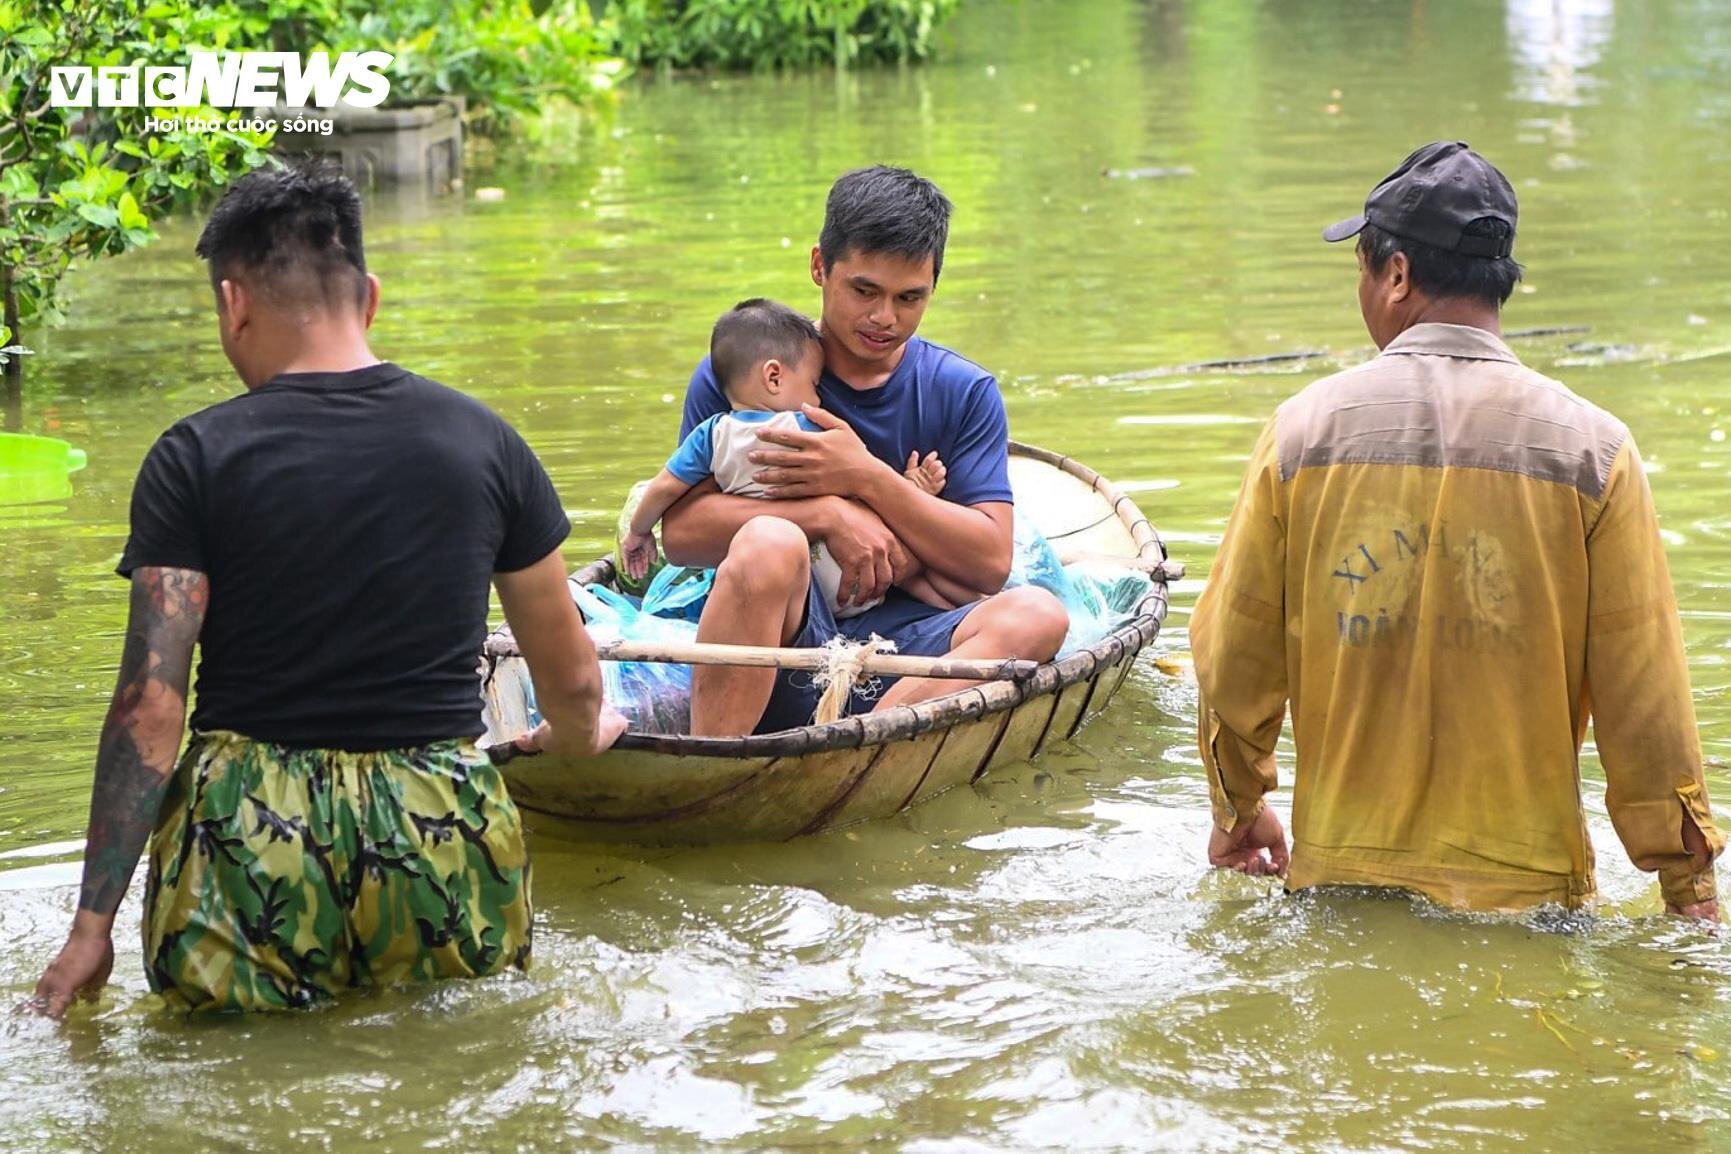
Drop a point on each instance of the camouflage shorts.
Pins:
(281, 876)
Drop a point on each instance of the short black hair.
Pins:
(1442, 273)
(884, 209)
(295, 232)
(752, 332)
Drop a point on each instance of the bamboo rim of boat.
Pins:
(966, 705)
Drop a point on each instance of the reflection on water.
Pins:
(1041, 961)
(1554, 44)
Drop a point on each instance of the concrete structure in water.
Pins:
(412, 144)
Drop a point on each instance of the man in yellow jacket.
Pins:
(1446, 562)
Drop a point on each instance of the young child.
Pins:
(767, 358)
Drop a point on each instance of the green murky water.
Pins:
(1042, 961)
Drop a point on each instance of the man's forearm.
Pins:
(558, 649)
(565, 670)
(964, 543)
(124, 805)
(699, 529)
(573, 710)
(141, 736)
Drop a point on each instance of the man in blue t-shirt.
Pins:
(887, 394)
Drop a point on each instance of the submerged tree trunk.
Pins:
(12, 374)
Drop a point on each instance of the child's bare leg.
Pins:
(920, 588)
(938, 591)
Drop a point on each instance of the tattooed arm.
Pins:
(134, 763)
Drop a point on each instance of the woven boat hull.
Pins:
(677, 789)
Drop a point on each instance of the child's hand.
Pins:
(639, 553)
(928, 474)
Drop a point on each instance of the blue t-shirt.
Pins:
(935, 401)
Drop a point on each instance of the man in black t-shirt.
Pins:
(327, 539)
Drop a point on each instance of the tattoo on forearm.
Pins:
(141, 736)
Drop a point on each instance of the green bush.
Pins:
(507, 58)
(74, 185)
(763, 34)
(77, 184)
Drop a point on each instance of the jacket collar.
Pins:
(1463, 341)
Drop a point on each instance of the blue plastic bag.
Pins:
(679, 591)
(1097, 595)
(655, 697)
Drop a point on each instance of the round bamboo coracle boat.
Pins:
(679, 789)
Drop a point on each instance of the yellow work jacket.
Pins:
(1446, 561)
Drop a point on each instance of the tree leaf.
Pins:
(128, 214)
(101, 215)
(19, 183)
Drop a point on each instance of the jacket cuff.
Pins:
(1230, 814)
(1682, 886)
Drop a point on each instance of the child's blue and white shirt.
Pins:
(718, 448)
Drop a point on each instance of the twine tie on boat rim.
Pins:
(843, 671)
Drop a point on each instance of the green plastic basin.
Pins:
(36, 468)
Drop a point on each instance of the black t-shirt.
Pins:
(350, 524)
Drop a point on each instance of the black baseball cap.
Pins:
(1431, 198)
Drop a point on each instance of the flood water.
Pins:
(1042, 961)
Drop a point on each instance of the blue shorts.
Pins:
(915, 627)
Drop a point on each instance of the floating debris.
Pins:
(1702, 355)
(1591, 353)
(1189, 419)
(1551, 1022)
(1151, 173)
(1215, 366)
(1545, 331)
